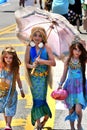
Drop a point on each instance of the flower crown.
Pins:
(76, 39)
(9, 49)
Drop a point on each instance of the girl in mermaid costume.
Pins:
(75, 83)
(9, 75)
(38, 59)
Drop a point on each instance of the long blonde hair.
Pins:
(44, 40)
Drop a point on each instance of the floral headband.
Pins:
(76, 39)
(9, 49)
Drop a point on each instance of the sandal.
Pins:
(79, 127)
(7, 129)
(39, 127)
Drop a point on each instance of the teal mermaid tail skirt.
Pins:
(40, 108)
(39, 93)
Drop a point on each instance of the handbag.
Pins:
(60, 94)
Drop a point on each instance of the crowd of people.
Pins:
(39, 60)
(70, 9)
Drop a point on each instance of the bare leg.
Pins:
(5, 119)
(35, 1)
(44, 120)
(72, 125)
(20, 3)
(40, 2)
(39, 125)
(8, 120)
(71, 122)
(78, 25)
(79, 112)
(23, 1)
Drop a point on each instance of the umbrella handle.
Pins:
(32, 71)
(35, 68)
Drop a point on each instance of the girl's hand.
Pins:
(37, 60)
(59, 87)
(22, 93)
(35, 64)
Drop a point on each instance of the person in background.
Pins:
(73, 81)
(40, 2)
(22, 3)
(61, 7)
(48, 5)
(9, 75)
(75, 14)
(38, 60)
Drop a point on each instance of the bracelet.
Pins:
(21, 89)
(60, 83)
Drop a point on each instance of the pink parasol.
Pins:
(60, 32)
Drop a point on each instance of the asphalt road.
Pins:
(22, 118)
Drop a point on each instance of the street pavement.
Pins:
(60, 110)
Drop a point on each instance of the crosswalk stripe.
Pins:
(15, 45)
(8, 38)
(15, 122)
(7, 28)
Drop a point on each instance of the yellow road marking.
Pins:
(7, 38)
(6, 28)
(28, 99)
(2, 33)
(28, 125)
(10, 32)
(51, 102)
(11, 44)
(15, 122)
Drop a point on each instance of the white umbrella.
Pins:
(60, 32)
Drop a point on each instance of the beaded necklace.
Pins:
(74, 64)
